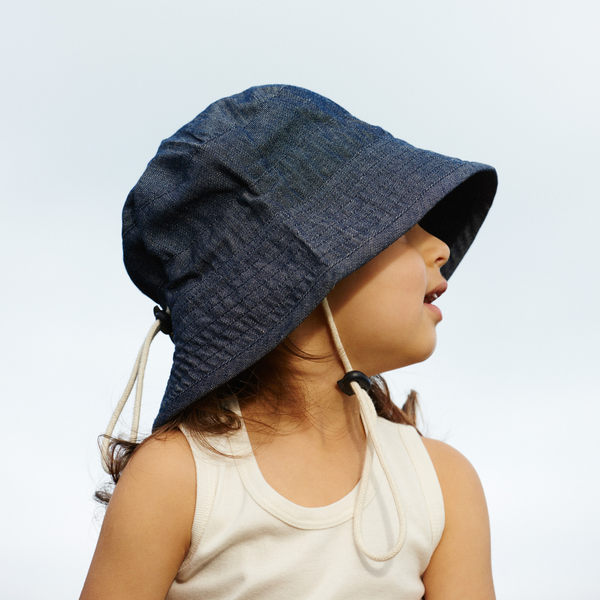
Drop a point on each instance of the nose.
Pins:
(442, 251)
(435, 252)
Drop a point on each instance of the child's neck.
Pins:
(313, 456)
(313, 460)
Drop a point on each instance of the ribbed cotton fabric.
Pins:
(248, 541)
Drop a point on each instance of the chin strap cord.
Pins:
(137, 377)
(369, 419)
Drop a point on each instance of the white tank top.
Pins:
(248, 541)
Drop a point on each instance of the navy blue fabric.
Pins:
(250, 214)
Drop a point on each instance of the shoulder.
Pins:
(461, 564)
(146, 531)
(160, 481)
(461, 486)
(453, 469)
(167, 458)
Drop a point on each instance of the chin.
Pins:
(426, 354)
(418, 355)
(422, 358)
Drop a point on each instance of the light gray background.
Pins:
(90, 88)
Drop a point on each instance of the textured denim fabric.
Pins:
(250, 214)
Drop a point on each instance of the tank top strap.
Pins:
(428, 479)
(206, 489)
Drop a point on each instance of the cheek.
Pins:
(386, 314)
(399, 300)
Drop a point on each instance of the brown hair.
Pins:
(272, 380)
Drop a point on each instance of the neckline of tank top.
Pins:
(301, 517)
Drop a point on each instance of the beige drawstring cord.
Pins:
(369, 417)
(137, 374)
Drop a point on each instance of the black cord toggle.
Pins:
(166, 325)
(359, 377)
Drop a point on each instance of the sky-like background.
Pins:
(90, 88)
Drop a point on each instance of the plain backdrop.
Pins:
(90, 88)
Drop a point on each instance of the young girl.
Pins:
(296, 253)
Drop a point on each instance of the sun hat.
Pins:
(251, 213)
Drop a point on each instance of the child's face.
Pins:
(380, 309)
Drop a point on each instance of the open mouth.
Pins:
(435, 293)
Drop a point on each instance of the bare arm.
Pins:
(460, 568)
(146, 531)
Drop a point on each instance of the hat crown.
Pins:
(242, 160)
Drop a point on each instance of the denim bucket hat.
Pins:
(251, 213)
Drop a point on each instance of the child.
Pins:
(296, 253)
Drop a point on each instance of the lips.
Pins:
(435, 293)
